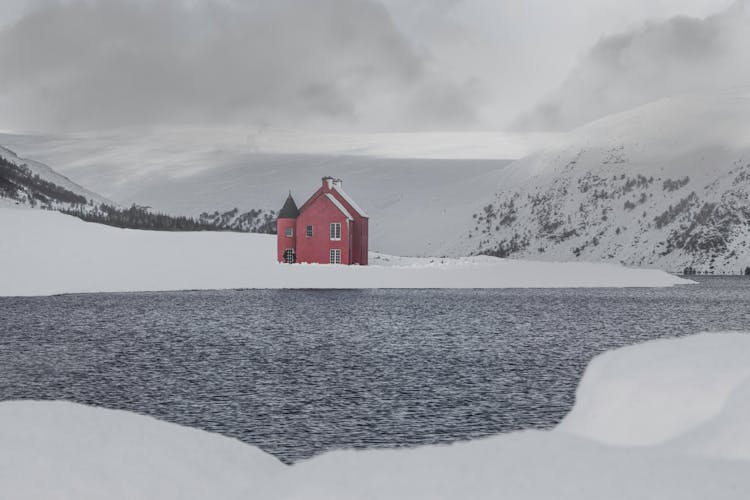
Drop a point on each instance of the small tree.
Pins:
(747, 271)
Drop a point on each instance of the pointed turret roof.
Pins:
(289, 210)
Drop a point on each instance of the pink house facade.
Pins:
(329, 228)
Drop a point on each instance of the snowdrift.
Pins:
(631, 396)
(63, 450)
(51, 253)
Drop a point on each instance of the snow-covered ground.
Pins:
(48, 253)
(678, 439)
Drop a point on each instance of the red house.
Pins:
(329, 228)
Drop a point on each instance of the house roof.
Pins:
(338, 205)
(289, 210)
(348, 199)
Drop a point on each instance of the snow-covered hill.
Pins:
(30, 183)
(665, 185)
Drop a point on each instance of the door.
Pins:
(289, 256)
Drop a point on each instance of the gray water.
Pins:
(299, 372)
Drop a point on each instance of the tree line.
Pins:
(137, 217)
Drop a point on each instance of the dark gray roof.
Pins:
(289, 210)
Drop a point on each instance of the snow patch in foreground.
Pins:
(53, 253)
(630, 396)
(63, 450)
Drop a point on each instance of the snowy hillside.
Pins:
(30, 183)
(95, 258)
(678, 411)
(665, 185)
(417, 188)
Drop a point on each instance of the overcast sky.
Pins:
(370, 65)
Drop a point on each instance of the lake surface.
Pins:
(299, 372)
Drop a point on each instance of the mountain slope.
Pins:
(32, 184)
(27, 182)
(664, 185)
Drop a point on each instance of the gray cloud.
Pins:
(660, 59)
(108, 63)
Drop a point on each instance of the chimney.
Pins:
(338, 183)
(328, 182)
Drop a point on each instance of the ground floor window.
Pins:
(309, 231)
(335, 256)
(289, 256)
(335, 230)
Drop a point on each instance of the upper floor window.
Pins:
(335, 231)
(309, 231)
(289, 231)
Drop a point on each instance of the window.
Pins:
(289, 232)
(289, 257)
(335, 231)
(335, 256)
(309, 231)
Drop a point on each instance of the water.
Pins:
(301, 372)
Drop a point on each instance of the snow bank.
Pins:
(54, 253)
(727, 435)
(62, 450)
(652, 393)
(59, 450)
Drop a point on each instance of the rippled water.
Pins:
(301, 372)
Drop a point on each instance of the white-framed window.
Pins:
(289, 256)
(335, 256)
(309, 231)
(289, 232)
(335, 231)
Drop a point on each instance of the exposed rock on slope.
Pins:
(254, 221)
(665, 185)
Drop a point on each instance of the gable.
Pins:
(338, 205)
(326, 202)
(336, 194)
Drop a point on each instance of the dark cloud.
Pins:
(660, 59)
(109, 63)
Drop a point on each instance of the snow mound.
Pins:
(652, 393)
(63, 450)
(60, 450)
(54, 253)
(728, 434)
